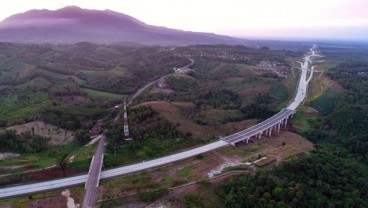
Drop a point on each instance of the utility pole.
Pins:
(126, 125)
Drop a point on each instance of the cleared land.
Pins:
(58, 135)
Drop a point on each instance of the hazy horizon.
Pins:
(284, 19)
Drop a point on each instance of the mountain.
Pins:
(73, 24)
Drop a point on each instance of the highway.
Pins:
(270, 123)
(280, 118)
(261, 127)
(303, 80)
(76, 180)
(94, 175)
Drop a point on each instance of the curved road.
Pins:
(66, 182)
(153, 82)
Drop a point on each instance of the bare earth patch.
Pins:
(70, 201)
(6, 155)
(58, 135)
(311, 111)
(58, 201)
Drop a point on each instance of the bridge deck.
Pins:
(94, 175)
(260, 127)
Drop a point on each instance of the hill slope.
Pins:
(73, 24)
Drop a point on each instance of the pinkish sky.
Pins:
(336, 19)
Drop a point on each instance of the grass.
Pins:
(8, 64)
(235, 84)
(20, 202)
(168, 180)
(84, 152)
(41, 160)
(326, 103)
(252, 149)
(102, 95)
(138, 181)
(184, 172)
(119, 71)
(239, 151)
(278, 91)
(137, 151)
(82, 156)
(301, 121)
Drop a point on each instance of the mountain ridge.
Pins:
(73, 24)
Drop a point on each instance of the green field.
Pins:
(326, 103)
(41, 160)
(17, 107)
(184, 171)
(278, 91)
(302, 121)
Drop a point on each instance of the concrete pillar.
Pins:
(269, 132)
(278, 127)
(247, 140)
(285, 122)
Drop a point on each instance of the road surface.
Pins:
(94, 175)
(76, 180)
(66, 182)
(261, 127)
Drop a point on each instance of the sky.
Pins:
(312, 19)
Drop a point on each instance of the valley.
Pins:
(183, 104)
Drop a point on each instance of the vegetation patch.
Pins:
(152, 195)
(22, 107)
(278, 91)
(181, 82)
(97, 94)
(184, 171)
(326, 103)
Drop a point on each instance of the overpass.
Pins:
(266, 127)
(94, 175)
